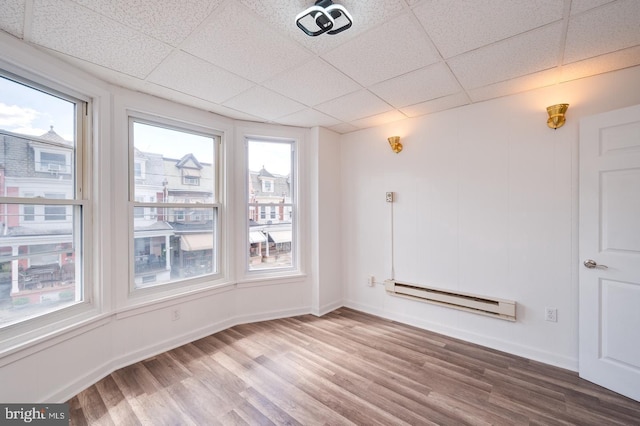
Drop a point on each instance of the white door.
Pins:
(609, 344)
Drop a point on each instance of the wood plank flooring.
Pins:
(344, 368)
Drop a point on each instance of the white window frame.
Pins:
(186, 284)
(28, 331)
(293, 205)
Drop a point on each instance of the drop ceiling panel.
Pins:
(525, 54)
(354, 106)
(264, 103)
(313, 83)
(392, 49)
(470, 24)
(618, 25)
(417, 86)
(600, 64)
(166, 20)
(308, 118)
(582, 5)
(94, 38)
(440, 104)
(12, 16)
(237, 40)
(199, 78)
(379, 119)
(515, 85)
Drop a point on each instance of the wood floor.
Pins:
(344, 368)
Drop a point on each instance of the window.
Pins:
(271, 168)
(190, 180)
(52, 158)
(178, 239)
(52, 161)
(138, 170)
(55, 212)
(43, 211)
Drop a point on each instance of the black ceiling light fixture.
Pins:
(324, 17)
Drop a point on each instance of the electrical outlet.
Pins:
(551, 314)
(371, 281)
(389, 197)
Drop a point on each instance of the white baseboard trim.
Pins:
(79, 384)
(528, 352)
(326, 308)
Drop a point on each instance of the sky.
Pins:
(31, 112)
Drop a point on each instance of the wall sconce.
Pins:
(396, 146)
(556, 115)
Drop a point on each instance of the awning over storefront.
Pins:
(257, 237)
(280, 236)
(196, 242)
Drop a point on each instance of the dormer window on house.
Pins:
(51, 160)
(190, 177)
(267, 186)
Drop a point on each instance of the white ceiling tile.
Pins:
(600, 64)
(525, 54)
(343, 128)
(281, 14)
(313, 83)
(470, 24)
(582, 5)
(392, 49)
(617, 24)
(196, 77)
(440, 104)
(379, 119)
(94, 38)
(12, 17)
(308, 118)
(169, 21)
(515, 85)
(264, 103)
(354, 106)
(241, 43)
(421, 85)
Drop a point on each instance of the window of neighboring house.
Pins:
(175, 243)
(138, 212)
(277, 251)
(28, 211)
(55, 212)
(191, 180)
(138, 169)
(45, 231)
(50, 159)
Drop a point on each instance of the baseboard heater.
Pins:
(490, 306)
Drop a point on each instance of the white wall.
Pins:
(324, 163)
(487, 204)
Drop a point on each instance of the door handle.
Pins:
(592, 264)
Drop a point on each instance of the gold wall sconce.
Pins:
(396, 146)
(556, 115)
